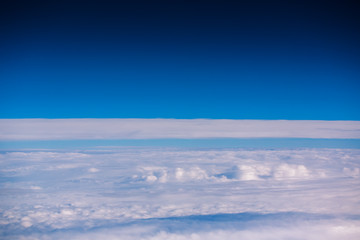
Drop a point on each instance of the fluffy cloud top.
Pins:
(177, 193)
(57, 129)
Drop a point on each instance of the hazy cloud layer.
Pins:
(56, 129)
(164, 193)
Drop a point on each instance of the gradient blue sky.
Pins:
(180, 59)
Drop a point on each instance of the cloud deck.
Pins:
(178, 193)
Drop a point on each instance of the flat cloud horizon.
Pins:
(91, 129)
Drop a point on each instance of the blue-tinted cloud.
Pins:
(112, 193)
(57, 129)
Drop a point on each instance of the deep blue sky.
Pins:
(180, 59)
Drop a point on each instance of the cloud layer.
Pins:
(169, 193)
(62, 129)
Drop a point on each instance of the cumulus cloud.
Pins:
(57, 129)
(248, 172)
(253, 172)
(291, 171)
(165, 174)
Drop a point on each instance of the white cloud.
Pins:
(253, 172)
(26, 222)
(57, 129)
(291, 171)
(93, 170)
(262, 229)
(46, 195)
(194, 173)
(256, 171)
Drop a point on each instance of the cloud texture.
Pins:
(62, 129)
(177, 193)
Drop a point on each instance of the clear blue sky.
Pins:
(179, 59)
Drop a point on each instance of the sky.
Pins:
(179, 119)
(295, 60)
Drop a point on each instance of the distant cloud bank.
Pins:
(72, 129)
